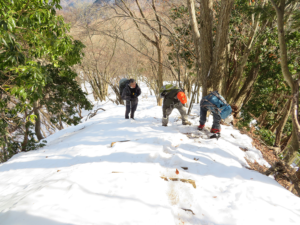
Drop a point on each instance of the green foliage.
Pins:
(32, 143)
(270, 88)
(267, 136)
(296, 20)
(63, 93)
(288, 127)
(270, 84)
(36, 57)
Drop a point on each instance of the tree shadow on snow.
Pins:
(103, 132)
(21, 217)
(204, 166)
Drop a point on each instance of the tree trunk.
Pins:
(159, 73)
(248, 96)
(247, 86)
(86, 90)
(206, 42)
(178, 66)
(292, 148)
(246, 100)
(37, 126)
(4, 150)
(298, 174)
(243, 60)
(219, 52)
(289, 155)
(79, 111)
(279, 114)
(48, 118)
(61, 126)
(226, 72)
(275, 125)
(212, 59)
(198, 95)
(262, 117)
(286, 140)
(196, 39)
(282, 123)
(192, 99)
(249, 82)
(44, 134)
(25, 140)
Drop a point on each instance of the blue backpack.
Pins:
(217, 101)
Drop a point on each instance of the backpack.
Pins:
(122, 84)
(164, 90)
(218, 101)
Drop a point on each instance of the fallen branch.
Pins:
(189, 210)
(192, 182)
(92, 114)
(112, 144)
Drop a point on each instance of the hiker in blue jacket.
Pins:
(219, 109)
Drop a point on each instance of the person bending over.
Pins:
(130, 94)
(219, 108)
(174, 99)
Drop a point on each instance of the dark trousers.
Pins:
(131, 107)
(167, 112)
(216, 117)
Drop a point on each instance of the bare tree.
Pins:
(212, 58)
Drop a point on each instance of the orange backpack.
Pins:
(181, 97)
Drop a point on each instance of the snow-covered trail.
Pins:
(78, 178)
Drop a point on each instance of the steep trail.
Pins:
(78, 178)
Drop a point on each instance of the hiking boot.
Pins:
(215, 130)
(200, 127)
(164, 125)
(132, 116)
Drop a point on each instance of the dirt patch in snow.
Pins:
(272, 159)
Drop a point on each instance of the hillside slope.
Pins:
(78, 178)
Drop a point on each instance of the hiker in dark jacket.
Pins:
(130, 94)
(171, 101)
(218, 107)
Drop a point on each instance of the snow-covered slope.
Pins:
(78, 178)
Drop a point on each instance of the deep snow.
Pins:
(78, 178)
